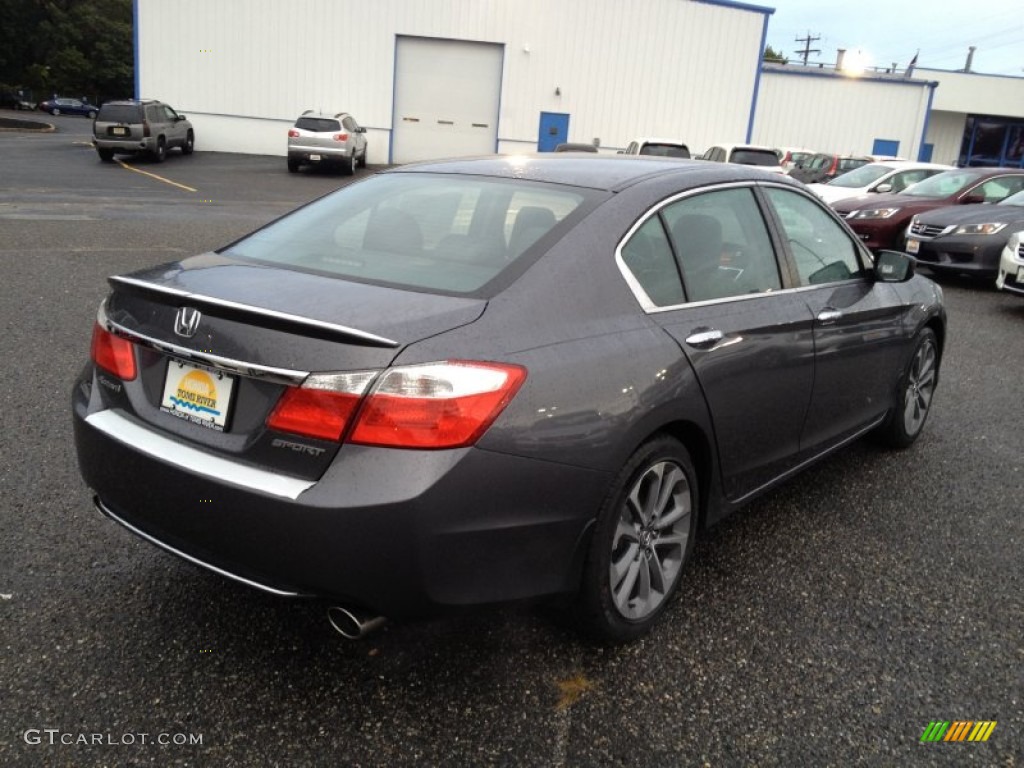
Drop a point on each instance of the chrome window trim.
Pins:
(297, 319)
(286, 376)
(144, 440)
(107, 512)
(650, 308)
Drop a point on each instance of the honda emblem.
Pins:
(186, 322)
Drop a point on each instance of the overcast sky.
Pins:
(887, 31)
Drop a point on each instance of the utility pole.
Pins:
(807, 50)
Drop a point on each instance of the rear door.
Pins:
(750, 344)
(858, 322)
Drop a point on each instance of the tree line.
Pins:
(69, 47)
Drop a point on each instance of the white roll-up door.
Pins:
(447, 94)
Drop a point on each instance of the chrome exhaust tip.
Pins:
(351, 623)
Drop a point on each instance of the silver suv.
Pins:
(327, 139)
(140, 127)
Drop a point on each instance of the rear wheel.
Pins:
(293, 165)
(106, 155)
(643, 538)
(160, 153)
(916, 389)
(54, 111)
(92, 114)
(349, 167)
(190, 143)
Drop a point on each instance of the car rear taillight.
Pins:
(292, 133)
(341, 137)
(112, 353)
(439, 405)
(322, 407)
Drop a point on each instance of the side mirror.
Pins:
(972, 199)
(181, 117)
(360, 129)
(883, 188)
(894, 266)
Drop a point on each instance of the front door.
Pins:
(554, 130)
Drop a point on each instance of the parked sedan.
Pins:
(882, 177)
(489, 379)
(1011, 265)
(968, 240)
(881, 221)
(69, 107)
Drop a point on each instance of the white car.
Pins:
(883, 176)
(657, 147)
(765, 158)
(1011, 265)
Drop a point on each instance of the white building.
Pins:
(436, 78)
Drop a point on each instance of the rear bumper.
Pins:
(125, 146)
(304, 153)
(402, 533)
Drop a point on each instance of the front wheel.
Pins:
(160, 153)
(92, 114)
(643, 538)
(916, 389)
(190, 144)
(55, 111)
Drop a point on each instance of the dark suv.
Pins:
(140, 127)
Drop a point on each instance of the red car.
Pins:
(881, 221)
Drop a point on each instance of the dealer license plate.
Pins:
(119, 131)
(913, 246)
(314, 157)
(199, 395)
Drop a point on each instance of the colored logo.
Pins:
(197, 392)
(959, 730)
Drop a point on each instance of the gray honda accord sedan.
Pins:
(484, 380)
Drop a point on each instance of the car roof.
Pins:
(731, 147)
(325, 115)
(605, 172)
(657, 140)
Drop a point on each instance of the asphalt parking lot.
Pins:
(827, 624)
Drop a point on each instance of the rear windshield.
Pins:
(754, 157)
(120, 113)
(317, 124)
(444, 233)
(665, 150)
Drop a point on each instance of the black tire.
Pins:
(362, 157)
(349, 165)
(160, 153)
(190, 144)
(54, 111)
(106, 155)
(642, 541)
(914, 394)
(92, 114)
(293, 165)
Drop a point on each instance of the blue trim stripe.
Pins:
(135, 45)
(927, 120)
(757, 81)
(740, 6)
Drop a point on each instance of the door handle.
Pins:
(829, 315)
(703, 339)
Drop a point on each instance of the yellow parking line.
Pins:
(158, 178)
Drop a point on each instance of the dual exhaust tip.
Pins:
(353, 623)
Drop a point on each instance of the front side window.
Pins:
(943, 184)
(722, 244)
(821, 248)
(904, 179)
(445, 233)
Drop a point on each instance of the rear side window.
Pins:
(822, 250)
(317, 124)
(648, 256)
(120, 113)
(722, 244)
(444, 233)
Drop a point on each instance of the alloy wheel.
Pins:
(920, 387)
